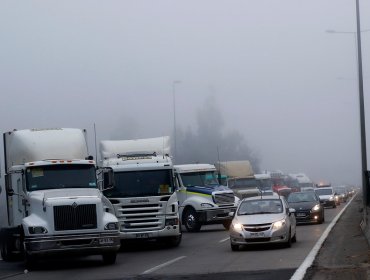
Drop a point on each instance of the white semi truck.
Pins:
(144, 197)
(54, 203)
(240, 177)
(202, 199)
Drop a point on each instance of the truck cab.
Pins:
(202, 199)
(144, 197)
(54, 205)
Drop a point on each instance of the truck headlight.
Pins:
(316, 207)
(206, 205)
(111, 226)
(331, 198)
(278, 224)
(37, 230)
(172, 222)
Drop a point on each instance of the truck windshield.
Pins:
(243, 183)
(60, 176)
(201, 179)
(141, 183)
(265, 184)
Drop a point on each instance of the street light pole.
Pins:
(357, 37)
(174, 116)
(365, 182)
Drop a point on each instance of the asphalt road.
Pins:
(203, 255)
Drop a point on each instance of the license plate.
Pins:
(301, 214)
(106, 240)
(142, 235)
(257, 234)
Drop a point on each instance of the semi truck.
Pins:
(144, 197)
(202, 199)
(240, 177)
(54, 204)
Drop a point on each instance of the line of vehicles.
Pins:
(60, 201)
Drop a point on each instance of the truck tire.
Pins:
(29, 261)
(109, 258)
(8, 241)
(226, 224)
(191, 220)
(173, 241)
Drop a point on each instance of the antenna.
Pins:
(219, 166)
(96, 149)
(163, 147)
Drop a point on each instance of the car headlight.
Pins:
(316, 207)
(278, 224)
(111, 226)
(37, 230)
(331, 198)
(206, 205)
(237, 226)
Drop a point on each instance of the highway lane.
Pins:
(205, 253)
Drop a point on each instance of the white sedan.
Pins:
(261, 220)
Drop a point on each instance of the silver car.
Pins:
(261, 220)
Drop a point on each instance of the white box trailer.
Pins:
(53, 200)
(144, 197)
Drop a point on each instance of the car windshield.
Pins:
(340, 190)
(61, 176)
(201, 179)
(302, 197)
(141, 183)
(260, 206)
(324, 191)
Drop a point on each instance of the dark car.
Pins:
(307, 206)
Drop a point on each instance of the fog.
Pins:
(258, 80)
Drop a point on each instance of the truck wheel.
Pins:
(109, 258)
(8, 246)
(226, 224)
(173, 241)
(29, 261)
(191, 220)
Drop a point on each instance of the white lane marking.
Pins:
(162, 265)
(223, 240)
(301, 270)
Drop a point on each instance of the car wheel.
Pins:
(294, 238)
(234, 247)
(226, 224)
(288, 244)
(109, 258)
(191, 220)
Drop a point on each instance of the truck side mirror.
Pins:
(8, 187)
(108, 177)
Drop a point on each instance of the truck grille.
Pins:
(70, 217)
(224, 198)
(141, 217)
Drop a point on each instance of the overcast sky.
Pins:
(277, 76)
